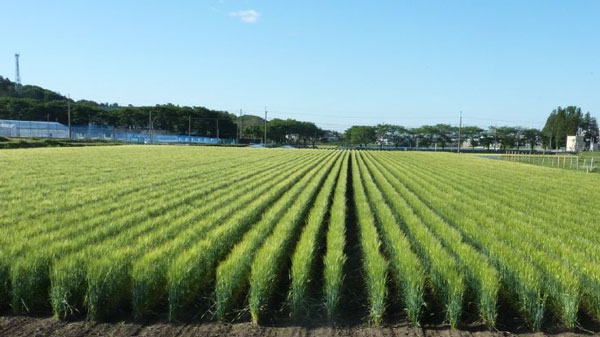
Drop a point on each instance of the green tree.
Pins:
(444, 133)
(487, 139)
(360, 135)
(532, 136)
(383, 133)
(254, 132)
(388, 133)
(506, 136)
(472, 134)
(590, 128)
(560, 124)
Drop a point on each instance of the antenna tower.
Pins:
(17, 75)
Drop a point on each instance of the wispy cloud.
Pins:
(247, 16)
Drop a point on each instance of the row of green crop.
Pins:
(545, 235)
(149, 272)
(574, 209)
(520, 278)
(193, 270)
(449, 263)
(106, 210)
(253, 227)
(271, 259)
(446, 280)
(126, 257)
(408, 272)
(511, 194)
(31, 272)
(304, 260)
(232, 274)
(453, 221)
(561, 281)
(335, 259)
(482, 279)
(89, 181)
(142, 278)
(76, 208)
(94, 267)
(374, 263)
(496, 222)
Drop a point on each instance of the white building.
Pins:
(575, 143)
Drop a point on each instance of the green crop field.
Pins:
(266, 234)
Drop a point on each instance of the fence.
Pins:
(32, 129)
(35, 129)
(454, 149)
(568, 162)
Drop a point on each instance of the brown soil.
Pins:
(46, 326)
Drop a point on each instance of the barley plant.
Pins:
(232, 274)
(193, 270)
(482, 278)
(335, 258)
(304, 258)
(185, 231)
(407, 270)
(374, 264)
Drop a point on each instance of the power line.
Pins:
(368, 115)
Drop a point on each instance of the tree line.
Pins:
(39, 104)
(561, 123)
(564, 122)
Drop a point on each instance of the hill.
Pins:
(7, 89)
(39, 104)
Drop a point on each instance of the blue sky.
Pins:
(337, 63)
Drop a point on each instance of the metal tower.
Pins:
(17, 75)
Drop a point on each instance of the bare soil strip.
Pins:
(17, 326)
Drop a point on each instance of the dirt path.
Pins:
(16, 326)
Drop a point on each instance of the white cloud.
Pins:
(247, 16)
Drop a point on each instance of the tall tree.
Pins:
(560, 124)
(444, 133)
(472, 134)
(360, 135)
(590, 128)
(532, 136)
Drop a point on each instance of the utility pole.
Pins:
(150, 125)
(495, 139)
(69, 113)
(190, 129)
(17, 75)
(218, 140)
(241, 125)
(459, 130)
(265, 142)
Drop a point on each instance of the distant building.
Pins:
(575, 143)
(33, 129)
(331, 136)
